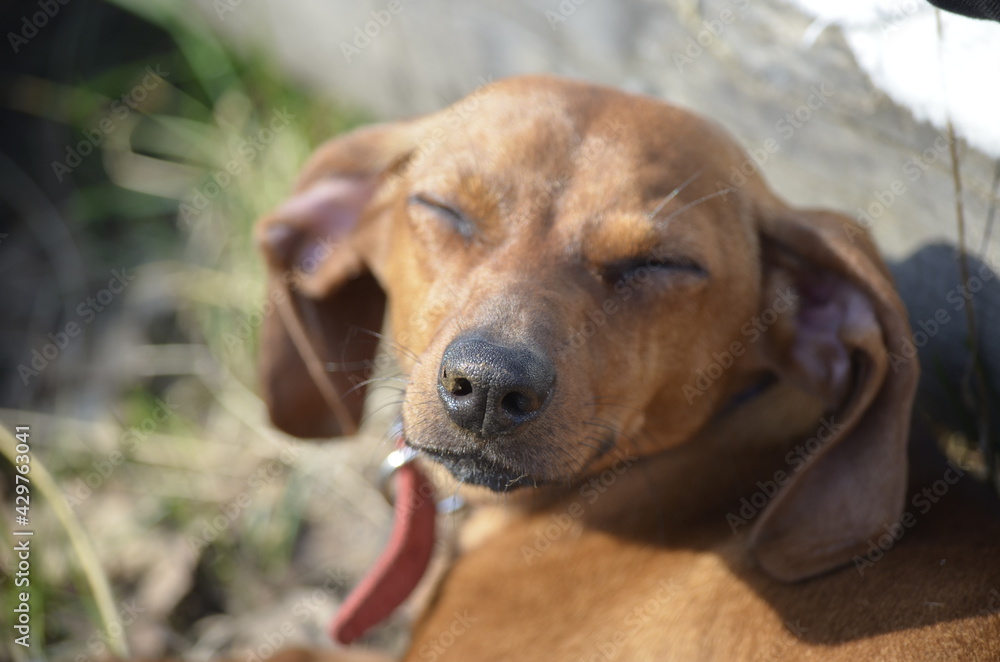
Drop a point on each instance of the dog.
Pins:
(678, 407)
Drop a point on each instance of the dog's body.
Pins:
(693, 399)
(600, 588)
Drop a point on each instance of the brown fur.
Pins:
(628, 549)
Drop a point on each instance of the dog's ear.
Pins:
(322, 246)
(843, 343)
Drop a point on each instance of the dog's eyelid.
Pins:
(677, 263)
(630, 267)
(459, 220)
(661, 259)
(434, 202)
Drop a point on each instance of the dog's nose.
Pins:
(489, 389)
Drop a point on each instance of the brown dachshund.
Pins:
(678, 407)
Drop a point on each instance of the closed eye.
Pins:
(651, 265)
(455, 218)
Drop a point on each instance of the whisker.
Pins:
(390, 387)
(601, 424)
(695, 203)
(673, 194)
(372, 380)
(388, 339)
(372, 413)
(608, 403)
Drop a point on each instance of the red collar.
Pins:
(402, 563)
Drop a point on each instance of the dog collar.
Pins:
(403, 561)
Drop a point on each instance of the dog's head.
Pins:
(572, 272)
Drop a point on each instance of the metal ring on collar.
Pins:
(390, 465)
(400, 458)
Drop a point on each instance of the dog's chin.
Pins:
(476, 469)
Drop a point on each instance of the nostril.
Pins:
(461, 386)
(489, 390)
(516, 403)
(454, 384)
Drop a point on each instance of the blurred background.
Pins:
(140, 140)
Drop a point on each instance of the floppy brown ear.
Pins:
(837, 344)
(320, 247)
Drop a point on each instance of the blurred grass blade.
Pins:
(89, 562)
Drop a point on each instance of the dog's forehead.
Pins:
(593, 163)
(538, 137)
(542, 122)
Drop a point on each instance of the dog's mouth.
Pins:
(479, 468)
(486, 468)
